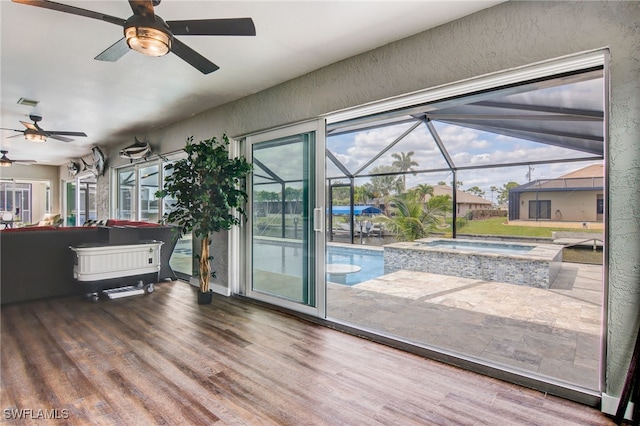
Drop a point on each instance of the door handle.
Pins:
(317, 219)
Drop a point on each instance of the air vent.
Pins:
(27, 102)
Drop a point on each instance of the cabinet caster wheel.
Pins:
(94, 298)
(150, 288)
(140, 284)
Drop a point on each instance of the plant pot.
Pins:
(205, 298)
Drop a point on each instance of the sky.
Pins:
(579, 94)
(467, 147)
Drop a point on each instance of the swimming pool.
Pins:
(371, 262)
(286, 258)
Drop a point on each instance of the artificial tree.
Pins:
(207, 194)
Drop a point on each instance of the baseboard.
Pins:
(610, 406)
(220, 289)
(217, 288)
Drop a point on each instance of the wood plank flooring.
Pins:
(163, 359)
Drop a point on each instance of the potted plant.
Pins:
(206, 188)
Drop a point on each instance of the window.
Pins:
(600, 204)
(15, 198)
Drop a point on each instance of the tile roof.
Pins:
(594, 170)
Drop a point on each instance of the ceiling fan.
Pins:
(149, 34)
(6, 162)
(35, 133)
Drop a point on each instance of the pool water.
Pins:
(288, 260)
(480, 247)
(371, 262)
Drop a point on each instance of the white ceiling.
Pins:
(48, 56)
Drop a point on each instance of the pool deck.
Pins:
(553, 332)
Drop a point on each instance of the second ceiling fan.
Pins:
(6, 162)
(149, 34)
(35, 133)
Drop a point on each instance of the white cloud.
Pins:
(467, 147)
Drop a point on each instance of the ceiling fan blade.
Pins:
(54, 133)
(60, 138)
(16, 136)
(13, 130)
(231, 27)
(72, 10)
(30, 126)
(142, 8)
(192, 57)
(114, 52)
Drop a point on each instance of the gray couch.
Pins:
(37, 263)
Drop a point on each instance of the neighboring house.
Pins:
(575, 197)
(464, 201)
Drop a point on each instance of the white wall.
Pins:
(505, 36)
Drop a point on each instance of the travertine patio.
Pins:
(554, 333)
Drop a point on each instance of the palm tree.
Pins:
(404, 163)
(493, 189)
(361, 194)
(385, 184)
(410, 219)
(422, 190)
(442, 204)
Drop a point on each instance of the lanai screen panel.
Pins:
(564, 112)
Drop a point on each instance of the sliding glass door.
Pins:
(134, 199)
(285, 238)
(80, 200)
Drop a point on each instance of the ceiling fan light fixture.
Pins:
(4, 161)
(147, 40)
(35, 137)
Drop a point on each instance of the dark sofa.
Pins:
(37, 262)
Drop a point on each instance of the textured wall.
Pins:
(503, 37)
(102, 196)
(624, 198)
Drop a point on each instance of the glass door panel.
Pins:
(285, 224)
(281, 263)
(87, 207)
(70, 197)
(149, 207)
(181, 260)
(125, 208)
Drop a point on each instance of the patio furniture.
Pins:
(7, 220)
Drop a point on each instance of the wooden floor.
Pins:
(163, 359)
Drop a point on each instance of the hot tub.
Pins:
(534, 265)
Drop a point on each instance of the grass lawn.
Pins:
(495, 226)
